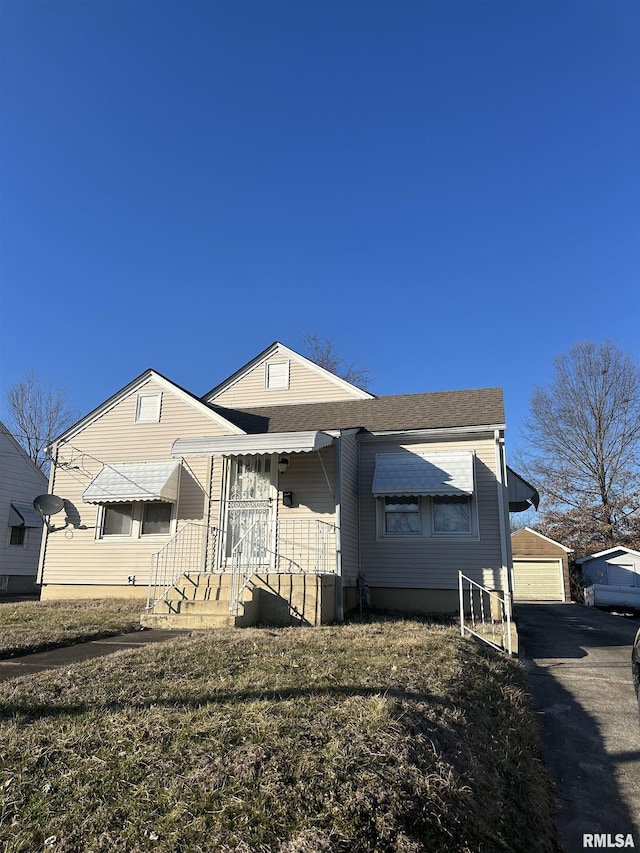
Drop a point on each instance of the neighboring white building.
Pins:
(612, 577)
(20, 525)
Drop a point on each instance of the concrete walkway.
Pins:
(30, 663)
(578, 661)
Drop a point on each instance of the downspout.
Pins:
(500, 477)
(339, 602)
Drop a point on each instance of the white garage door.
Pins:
(537, 580)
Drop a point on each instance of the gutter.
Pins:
(371, 435)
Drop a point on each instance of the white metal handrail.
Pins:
(303, 546)
(247, 555)
(494, 628)
(306, 545)
(192, 549)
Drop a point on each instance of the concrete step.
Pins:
(211, 606)
(201, 600)
(194, 621)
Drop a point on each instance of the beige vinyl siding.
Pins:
(305, 386)
(430, 562)
(20, 480)
(349, 506)
(73, 555)
(313, 496)
(313, 500)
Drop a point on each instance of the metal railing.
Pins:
(488, 615)
(247, 555)
(303, 546)
(192, 549)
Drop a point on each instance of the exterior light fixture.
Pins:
(283, 464)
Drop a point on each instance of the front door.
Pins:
(249, 509)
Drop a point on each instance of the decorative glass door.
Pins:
(249, 508)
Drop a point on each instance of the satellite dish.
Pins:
(48, 504)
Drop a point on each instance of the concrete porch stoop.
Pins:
(201, 600)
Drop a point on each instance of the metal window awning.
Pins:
(24, 515)
(522, 495)
(423, 473)
(134, 481)
(239, 445)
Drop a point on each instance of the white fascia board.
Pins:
(546, 539)
(614, 550)
(278, 348)
(131, 388)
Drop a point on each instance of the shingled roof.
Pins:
(437, 410)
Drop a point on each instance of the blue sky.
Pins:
(450, 190)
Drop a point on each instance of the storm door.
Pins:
(249, 510)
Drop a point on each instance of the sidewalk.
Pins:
(30, 663)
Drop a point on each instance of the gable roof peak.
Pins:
(130, 388)
(278, 346)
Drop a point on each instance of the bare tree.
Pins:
(323, 351)
(583, 438)
(37, 414)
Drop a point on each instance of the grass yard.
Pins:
(396, 736)
(34, 626)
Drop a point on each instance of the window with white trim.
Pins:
(451, 514)
(420, 517)
(402, 516)
(117, 520)
(156, 519)
(148, 407)
(135, 520)
(276, 376)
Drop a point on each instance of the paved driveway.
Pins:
(579, 670)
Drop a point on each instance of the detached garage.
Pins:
(540, 567)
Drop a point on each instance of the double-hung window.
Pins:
(423, 516)
(117, 520)
(451, 514)
(136, 519)
(156, 519)
(402, 516)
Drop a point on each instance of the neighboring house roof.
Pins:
(138, 382)
(401, 412)
(546, 538)
(281, 349)
(619, 549)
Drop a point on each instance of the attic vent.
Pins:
(277, 375)
(148, 408)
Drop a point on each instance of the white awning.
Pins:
(522, 495)
(239, 445)
(24, 515)
(423, 473)
(134, 481)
